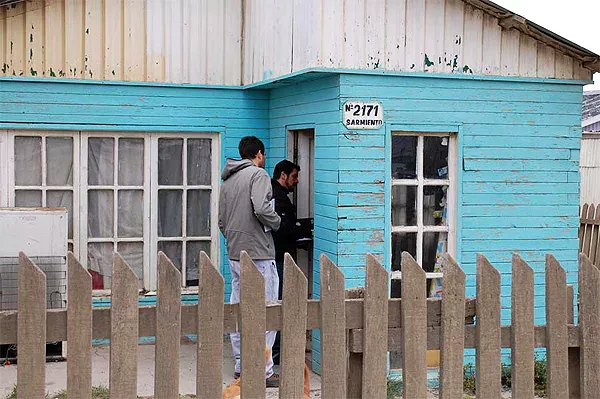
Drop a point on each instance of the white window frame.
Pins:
(12, 187)
(421, 181)
(214, 187)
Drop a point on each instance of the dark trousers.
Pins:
(276, 345)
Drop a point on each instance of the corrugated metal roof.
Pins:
(590, 114)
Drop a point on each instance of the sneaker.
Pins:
(272, 381)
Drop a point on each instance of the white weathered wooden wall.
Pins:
(590, 169)
(217, 42)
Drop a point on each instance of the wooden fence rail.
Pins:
(357, 334)
(589, 228)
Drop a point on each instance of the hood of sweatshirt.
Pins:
(233, 166)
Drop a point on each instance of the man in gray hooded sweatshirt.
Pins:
(246, 219)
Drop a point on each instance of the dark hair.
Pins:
(286, 167)
(250, 146)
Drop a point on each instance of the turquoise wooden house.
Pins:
(425, 126)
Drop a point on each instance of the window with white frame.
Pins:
(134, 193)
(423, 192)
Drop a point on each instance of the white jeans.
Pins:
(269, 270)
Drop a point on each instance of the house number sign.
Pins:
(363, 115)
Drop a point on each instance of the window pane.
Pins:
(401, 242)
(199, 161)
(173, 251)
(435, 157)
(404, 205)
(192, 257)
(131, 213)
(28, 198)
(101, 161)
(404, 157)
(100, 263)
(131, 162)
(133, 253)
(169, 213)
(198, 213)
(100, 213)
(434, 205)
(170, 152)
(28, 161)
(434, 245)
(59, 161)
(62, 199)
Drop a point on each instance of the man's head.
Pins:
(253, 149)
(286, 173)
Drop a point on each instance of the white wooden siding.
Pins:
(590, 169)
(201, 41)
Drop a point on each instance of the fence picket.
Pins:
(522, 331)
(453, 329)
(488, 362)
(168, 330)
(589, 229)
(582, 226)
(31, 332)
(574, 352)
(211, 291)
(124, 329)
(589, 327)
(556, 329)
(293, 332)
(333, 331)
(79, 330)
(594, 253)
(374, 378)
(253, 324)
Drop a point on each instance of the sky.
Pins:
(575, 20)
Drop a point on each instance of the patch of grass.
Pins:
(394, 388)
(469, 380)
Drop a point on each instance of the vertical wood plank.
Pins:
(453, 330)
(473, 48)
(522, 343)
(196, 56)
(113, 40)
(168, 330)
(79, 330)
(509, 61)
(492, 37)
(215, 42)
(34, 39)
(588, 230)
(574, 352)
(453, 35)
(3, 64)
(584, 210)
(333, 327)
(233, 43)
(375, 34)
(293, 333)
(54, 26)
(155, 40)
(415, 36)
(333, 33)
(487, 329)
(124, 330)
(134, 46)
(395, 34)
(31, 330)
(74, 38)
(434, 35)
(528, 56)
(211, 292)
(94, 39)
(545, 61)
(15, 35)
(563, 66)
(556, 329)
(414, 326)
(253, 324)
(355, 372)
(595, 244)
(354, 34)
(589, 327)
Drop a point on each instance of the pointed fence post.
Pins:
(522, 331)
(414, 328)
(556, 329)
(375, 336)
(168, 330)
(124, 330)
(452, 330)
(253, 324)
(79, 330)
(487, 330)
(211, 293)
(589, 327)
(293, 332)
(31, 330)
(333, 331)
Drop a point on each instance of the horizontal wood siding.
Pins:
(519, 189)
(313, 103)
(123, 107)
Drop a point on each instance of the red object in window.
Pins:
(97, 280)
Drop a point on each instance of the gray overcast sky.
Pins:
(576, 20)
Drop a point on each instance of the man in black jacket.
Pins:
(285, 179)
